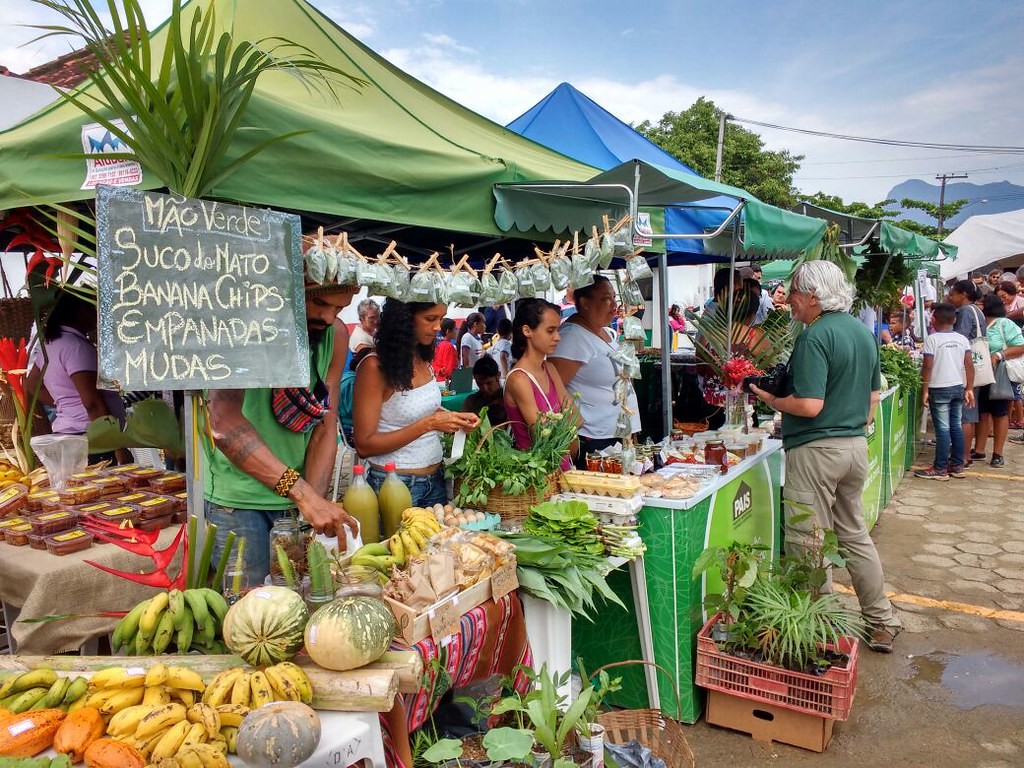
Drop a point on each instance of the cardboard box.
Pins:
(442, 618)
(768, 723)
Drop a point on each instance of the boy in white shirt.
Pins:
(947, 382)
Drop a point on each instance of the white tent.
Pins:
(22, 98)
(993, 240)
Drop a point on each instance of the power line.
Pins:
(922, 158)
(986, 149)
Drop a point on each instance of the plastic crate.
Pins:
(829, 695)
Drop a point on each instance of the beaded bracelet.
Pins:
(288, 479)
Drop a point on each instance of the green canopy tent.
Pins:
(385, 158)
(751, 230)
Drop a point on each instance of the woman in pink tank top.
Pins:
(533, 387)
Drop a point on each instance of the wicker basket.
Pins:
(662, 735)
(514, 509)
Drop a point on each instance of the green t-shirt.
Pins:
(836, 360)
(229, 486)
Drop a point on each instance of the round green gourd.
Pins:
(265, 627)
(350, 632)
(284, 733)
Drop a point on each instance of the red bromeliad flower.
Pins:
(737, 369)
(13, 369)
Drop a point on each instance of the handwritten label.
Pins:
(197, 294)
(444, 619)
(503, 581)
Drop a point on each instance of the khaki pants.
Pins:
(827, 477)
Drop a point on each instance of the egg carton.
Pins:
(599, 484)
(609, 509)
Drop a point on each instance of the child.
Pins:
(947, 367)
(900, 330)
(501, 349)
(489, 392)
(446, 359)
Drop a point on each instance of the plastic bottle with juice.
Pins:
(394, 499)
(361, 502)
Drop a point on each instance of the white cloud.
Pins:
(446, 41)
(358, 20)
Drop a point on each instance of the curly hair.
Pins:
(396, 342)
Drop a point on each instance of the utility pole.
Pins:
(943, 178)
(722, 119)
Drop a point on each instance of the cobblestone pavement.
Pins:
(953, 692)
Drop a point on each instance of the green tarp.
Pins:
(394, 151)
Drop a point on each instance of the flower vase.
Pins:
(736, 410)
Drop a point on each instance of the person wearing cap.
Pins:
(271, 452)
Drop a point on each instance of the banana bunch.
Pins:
(188, 619)
(115, 691)
(10, 474)
(174, 731)
(418, 526)
(194, 756)
(281, 682)
(42, 689)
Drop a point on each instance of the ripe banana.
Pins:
(156, 695)
(151, 616)
(411, 550)
(159, 719)
(188, 758)
(183, 677)
(146, 746)
(171, 741)
(129, 697)
(207, 716)
(260, 690)
(219, 689)
(232, 714)
(283, 685)
(417, 536)
(196, 735)
(209, 754)
(240, 690)
(184, 695)
(127, 720)
(397, 548)
(230, 734)
(157, 675)
(118, 677)
(297, 675)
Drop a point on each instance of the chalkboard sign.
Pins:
(196, 294)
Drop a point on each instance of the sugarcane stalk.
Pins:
(222, 564)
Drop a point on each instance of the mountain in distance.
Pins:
(1001, 196)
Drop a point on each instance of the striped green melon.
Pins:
(283, 733)
(265, 627)
(349, 632)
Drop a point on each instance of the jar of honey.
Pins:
(715, 455)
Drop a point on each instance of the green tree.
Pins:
(948, 210)
(864, 210)
(692, 136)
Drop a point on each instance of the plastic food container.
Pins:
(119, 514)
(157, 506)
(34, 501)
(69, 541)
(168, 482)
(122, 469)
(111, 485)
(739, 449)
(10, 522)
(17, 535)
(53, 504)
(93, 508)
(37, 541)
(12, 499)
(154, 523)
(132, 498)
(83, 478)
(181, 499)
(139, 478)
(79, 494)
(53, 522)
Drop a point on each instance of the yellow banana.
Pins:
(230, 734)
(282, 684)
(300, 678)
(182, 677)
(184, 695)
(211, 755)
(99, 698)
(146, 746)
(240, 690)
(171, 741)
(188, 758)
(156, 695)
(207, 716)
(219, 689)
(159, 719)
(411, 549)
(397, 548)
(127, 720)
(157, 675)
(118, 677)
(232, 714)
(417, 536)
(260, 691)
(128, 697)
(151, 616)
(196, 735)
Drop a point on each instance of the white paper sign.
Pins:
(643, 234)
(97, 141)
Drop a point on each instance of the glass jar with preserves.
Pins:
(359, 580)
(715, 455)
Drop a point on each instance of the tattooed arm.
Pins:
(323, 444)
(237, 439)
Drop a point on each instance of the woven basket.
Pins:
(514, 509)
(16, 318)
(662, 735)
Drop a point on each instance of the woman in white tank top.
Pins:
(397, 414)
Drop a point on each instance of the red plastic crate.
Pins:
(829, 695)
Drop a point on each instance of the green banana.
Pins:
(176, 606)
(373, 561)
(124, 632)
(216, 603)
(26, 700)
(76, 690)
(209, 630)
(55, 695)
(164, 633)
(184, 639)
(141, 645)
(372, 549)
(36, 678)
(197, 602)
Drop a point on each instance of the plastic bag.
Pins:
(463, 290)
(541, 277)
(348, 268)
(527, 288)
(399, 288)
(592, 250)
(620, 390)
(582, 273)
(422, 288)
(331, 260)
(633, 329)
(625, 356)
(622, 241)
(509, 287)
(632, 296)
(316, 264)
(561, 273)
(490, 290)
(637, 268)
(607, 250)
(440, 287)
(623, 425)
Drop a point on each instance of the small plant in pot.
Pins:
(738, 565)
(590, 733)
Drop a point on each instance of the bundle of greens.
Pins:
(550, 570)
(570, 522)
(489, 461)
(899, 367)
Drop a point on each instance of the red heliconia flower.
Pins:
(14, 368)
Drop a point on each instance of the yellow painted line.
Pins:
(946, 605)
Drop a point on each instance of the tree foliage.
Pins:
(864, 210)
(692, 137)
(949, 210)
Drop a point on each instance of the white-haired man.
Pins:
(832, 393)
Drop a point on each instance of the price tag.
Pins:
(503, 581)
(444, 619)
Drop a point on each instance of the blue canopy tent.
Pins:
(572, 123)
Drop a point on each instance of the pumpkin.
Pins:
(108, 753)
(350, 632)
(265, 627)
(29, 733)
(284, 733)
(79, 729)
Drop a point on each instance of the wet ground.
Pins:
(953, 692)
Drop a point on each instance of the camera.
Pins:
(773, 381)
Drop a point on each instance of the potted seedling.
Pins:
(590, 733)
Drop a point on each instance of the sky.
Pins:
(918, 70)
